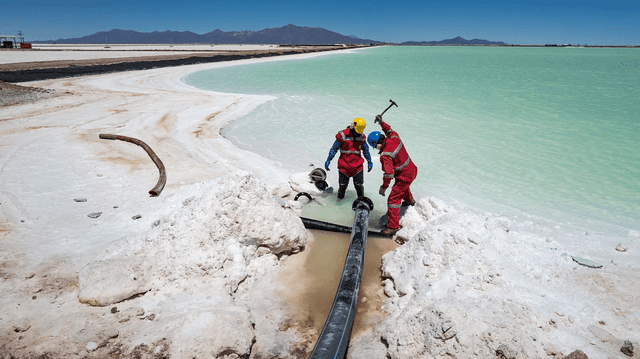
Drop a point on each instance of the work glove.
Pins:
(326, 165)
(378, 119)
(382, 190)
(369, 166)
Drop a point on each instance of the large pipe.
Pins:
(331, 227)
(334, 338)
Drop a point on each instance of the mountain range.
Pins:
(455, 41)
(286, 35)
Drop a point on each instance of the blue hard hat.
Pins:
(373, 138)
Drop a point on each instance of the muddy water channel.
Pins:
(312, 278)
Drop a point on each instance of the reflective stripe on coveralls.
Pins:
(403, 165)
(350, 160)
(397, 165)
(351, 152)
(393, 155)
(349, 138)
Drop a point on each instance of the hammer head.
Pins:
(393, 103)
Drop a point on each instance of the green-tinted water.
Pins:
(551, 132)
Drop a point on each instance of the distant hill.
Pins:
(455, 41)
(287, 35)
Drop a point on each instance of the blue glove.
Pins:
(367, 155)
(326, 165)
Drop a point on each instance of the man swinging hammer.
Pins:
(396, 164)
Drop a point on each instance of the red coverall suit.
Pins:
(397, 164)
(350, 160)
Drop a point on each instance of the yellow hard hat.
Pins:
(359, 124)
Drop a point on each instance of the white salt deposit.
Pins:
(467, 286)
(195, 275)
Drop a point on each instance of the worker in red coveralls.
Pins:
(396, 164)
(351, 142)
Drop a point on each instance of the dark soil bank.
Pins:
(36, 71)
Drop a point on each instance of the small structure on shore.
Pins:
(11, 41)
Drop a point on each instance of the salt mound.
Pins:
(204, 272)
(467, 285)
(215, 234)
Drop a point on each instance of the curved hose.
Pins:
(303, 194)
(155, 191)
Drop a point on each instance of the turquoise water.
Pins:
(547, 132)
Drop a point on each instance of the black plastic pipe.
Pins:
(331, 227)
(334, 338)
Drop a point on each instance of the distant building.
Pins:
(11, 41)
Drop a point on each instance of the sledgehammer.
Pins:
(379, 117)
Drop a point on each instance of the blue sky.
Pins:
(613, 22)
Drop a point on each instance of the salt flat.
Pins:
(93, 266)
(59, 52)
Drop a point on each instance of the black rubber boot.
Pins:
(343, 182)
(358, 183)
(341, 191)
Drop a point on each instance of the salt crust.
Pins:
(227, 238)
(464, 284)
